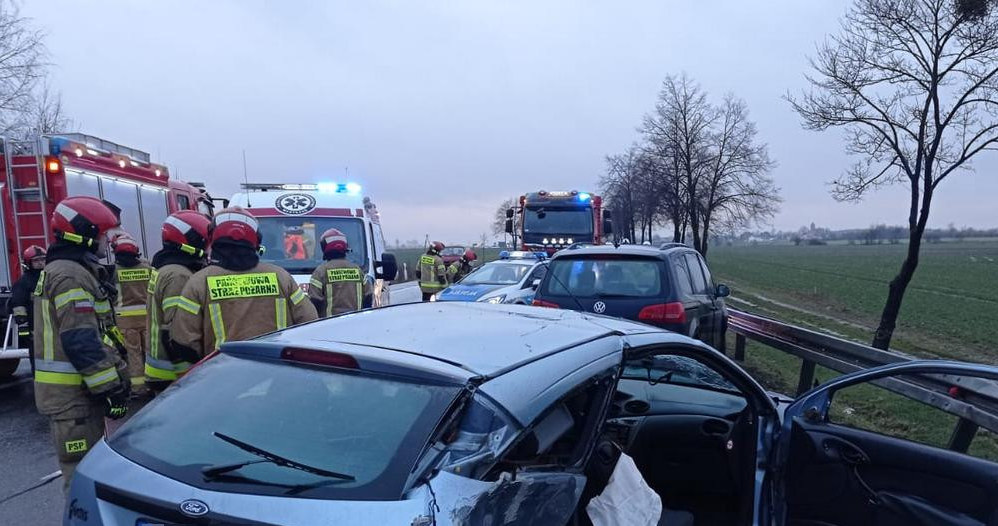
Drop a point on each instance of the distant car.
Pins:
(463, 413)
(668, 286)
(452, 254)
(507, 280)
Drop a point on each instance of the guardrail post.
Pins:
(740, 347)
(806, 376)
(962, 435)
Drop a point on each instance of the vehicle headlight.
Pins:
(570, 241)
(494, 299)
(545, 241)
(561, 241)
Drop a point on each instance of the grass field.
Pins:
(950, 311)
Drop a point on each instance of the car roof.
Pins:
(482, 340)
(628, 250)
(524, 261)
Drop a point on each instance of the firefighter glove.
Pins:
(116, 404)
(442, 280)
(20, 319)
(419, 274)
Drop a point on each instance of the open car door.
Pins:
(925, 455)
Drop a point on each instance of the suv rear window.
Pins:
(370, 427)
(617, 277)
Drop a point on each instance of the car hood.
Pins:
(460, 292)
(120, 491)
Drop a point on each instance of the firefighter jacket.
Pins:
(165, 286)
(133, 285)
(432, 273)
(218, 305)
(71, 360)
(338, 286)
(21, 294)
(458, 270)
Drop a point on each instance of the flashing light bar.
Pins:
(350, 188)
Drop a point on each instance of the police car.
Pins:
(513, 278)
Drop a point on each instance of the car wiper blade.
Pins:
(214, 471)
(292, 489)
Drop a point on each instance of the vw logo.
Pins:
(193, 508)
(599, 307)
(295, 204)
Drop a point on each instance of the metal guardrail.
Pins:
(976, 405)
(11, 349)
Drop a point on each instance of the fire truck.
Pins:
(36, 174)
(549, 221)
(293, 216)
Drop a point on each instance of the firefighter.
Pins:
(185, 242)
(338, 286)
(33, 261)
(133, 273)
(432, 272)
(461, 267)
(294, 243)
(237, 297)
(78, 379)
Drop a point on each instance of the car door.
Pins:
(704, 298)
(718, 313)
(688, 294)
(527, 289)
(912, 463)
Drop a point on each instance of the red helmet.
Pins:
(333, 241)
(437, 246)
(82, 220)
(236, 224)
(469, 255)
(33, 252)
(187, 230)
(124, 244)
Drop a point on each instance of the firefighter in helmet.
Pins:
(133, 273)
(237, 297)
(461, 267)
(432, 272)
(32, 263)
(185, 237)
(337, 285)
(78, 379)
(294, 243)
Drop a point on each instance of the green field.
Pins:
(950, 309)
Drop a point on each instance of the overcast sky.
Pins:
(443, 109)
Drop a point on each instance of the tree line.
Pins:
(697, 166)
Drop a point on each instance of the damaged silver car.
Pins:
(445, 414)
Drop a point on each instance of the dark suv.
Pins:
(668, 286)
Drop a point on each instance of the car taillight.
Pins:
(664, 313)
(542, 303)
(312, 356)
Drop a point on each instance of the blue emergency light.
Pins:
(584, 196)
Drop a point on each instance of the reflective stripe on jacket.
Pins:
(433, 273)
(219, 305)
(71, 361)
(338, 286)
(163, 296)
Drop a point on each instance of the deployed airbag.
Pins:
(627, 500)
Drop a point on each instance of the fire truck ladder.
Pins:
(12, 149)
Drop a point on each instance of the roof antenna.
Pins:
(246, 180)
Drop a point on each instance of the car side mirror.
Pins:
(386, 269)
(607, 227)
(608, 214)
(536, 283)
(509, 213)
(722, 291)
(509, 226)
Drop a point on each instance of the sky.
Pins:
(441, 109)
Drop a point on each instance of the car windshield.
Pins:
(497, 273)
(293, 242)
(672, 369)
(558, 221)
(452, 251)
(638, 278)
(370, 427)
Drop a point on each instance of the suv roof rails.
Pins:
(666, 246)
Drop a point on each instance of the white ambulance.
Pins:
(293, 217)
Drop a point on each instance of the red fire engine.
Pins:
(549, 221)
(36, 174)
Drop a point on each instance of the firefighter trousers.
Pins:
(74, 437)
(135, 343)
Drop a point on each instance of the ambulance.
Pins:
(294, 216)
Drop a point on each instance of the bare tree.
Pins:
(620, 189)
(736, 188)
(44, 114)
(22, 67)
(499, 219)
(913, 83)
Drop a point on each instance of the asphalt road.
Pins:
(27, 457)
